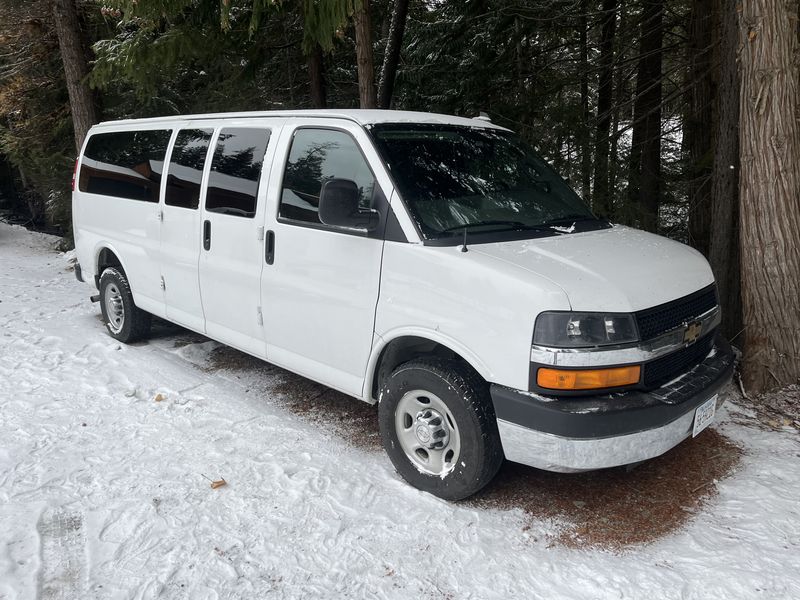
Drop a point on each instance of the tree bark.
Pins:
(81, 102)
(769, 193)
(602, 201)
(645, 176)
(391, 57)
(618, 102)
(316, 77)
(586, 142)
(724, 222)
(698, 121)
(366, 69)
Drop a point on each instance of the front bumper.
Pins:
(596, 432)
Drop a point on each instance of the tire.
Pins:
(124, 320)
(438, 427)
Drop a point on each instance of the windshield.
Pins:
(481, 180)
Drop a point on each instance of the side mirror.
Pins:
(338, 206)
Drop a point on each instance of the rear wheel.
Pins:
(438, 427)
(124, 320)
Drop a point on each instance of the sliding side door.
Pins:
(232, 258)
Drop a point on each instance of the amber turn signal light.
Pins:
(557, 379)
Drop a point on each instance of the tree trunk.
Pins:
(697, 125)
(586, 141)
(618, 102)
(769, 193)
(645, 176)
(366, 69)
(724, 223)
(65, 15)
(316, 77)
(391, 58)
(602, 201)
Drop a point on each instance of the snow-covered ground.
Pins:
(103, 495)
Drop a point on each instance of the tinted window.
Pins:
(452, 178)
(317, 155)
(235, 170)
(126, 164)
(186, 167)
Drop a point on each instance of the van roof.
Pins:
(361, 116)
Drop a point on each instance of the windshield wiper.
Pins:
(569, 219)
(513, 225)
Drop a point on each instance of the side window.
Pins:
(186, 167)
(125, 164)
(317, 155)
(235, 171)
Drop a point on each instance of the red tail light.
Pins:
(74, 173)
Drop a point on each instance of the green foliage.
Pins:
(508, 58)
(324, 20)
(518, 60)
(35, 127)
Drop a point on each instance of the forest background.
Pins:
(675, 116)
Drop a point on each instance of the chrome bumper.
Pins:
(565, 455)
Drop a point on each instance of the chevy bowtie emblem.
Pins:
(692, 332)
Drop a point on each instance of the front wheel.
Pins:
(438, 427)
(124, 320)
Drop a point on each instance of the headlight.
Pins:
(583, 330)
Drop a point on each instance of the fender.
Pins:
(382, 341)
(106, 245)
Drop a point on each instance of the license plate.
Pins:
(704, 415)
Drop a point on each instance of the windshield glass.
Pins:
(483, 180)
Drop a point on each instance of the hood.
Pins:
(616, 270)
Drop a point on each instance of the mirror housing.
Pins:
(338, 206)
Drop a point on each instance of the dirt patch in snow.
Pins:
(615, 508)
(610, 509)
(351, 419)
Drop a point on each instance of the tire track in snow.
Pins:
(63, 572)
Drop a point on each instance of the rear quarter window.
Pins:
(125, 164)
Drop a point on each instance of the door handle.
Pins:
(270, 247)
(207, 235)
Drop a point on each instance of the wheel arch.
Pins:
(403, 346)
(106, 256)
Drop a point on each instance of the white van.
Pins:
(432, 264)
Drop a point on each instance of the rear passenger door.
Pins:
(180, 228)
(231, 257)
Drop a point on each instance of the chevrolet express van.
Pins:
(431, 264)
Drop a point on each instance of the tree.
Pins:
(769, 193)
(586, 154)
(36, 133)
(76, 71)
(698, 128)
(392, 55)
(645, 182)
(724, 219)
(316, 76)
(603, 203)
(366, 68)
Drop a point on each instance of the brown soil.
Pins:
(619, 507)
(608, 509)
(350, 419)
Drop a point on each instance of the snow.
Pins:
(103, 495)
